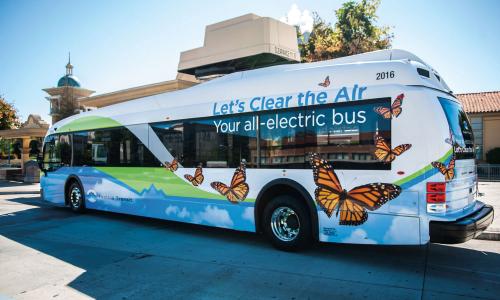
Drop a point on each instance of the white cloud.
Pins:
(323, 237)
(184, 213)
(174, 210)
(214, 216)
(296, 17)
(248, 214)
(402, 231)
(358, 236)
(171, 209)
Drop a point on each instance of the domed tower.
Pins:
(64, 98)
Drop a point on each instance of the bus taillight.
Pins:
(436, 197)
(436, 187)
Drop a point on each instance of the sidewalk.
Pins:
(491, 191)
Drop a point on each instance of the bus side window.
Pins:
(82, 155)
(111, 147)
(282, 139)
(345, 134)
(221, 142)
(64, 148)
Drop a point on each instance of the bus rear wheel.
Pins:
(76, 197)
(287, 223)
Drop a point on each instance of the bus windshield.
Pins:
(461, 136)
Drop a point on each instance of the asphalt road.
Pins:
(51, 253)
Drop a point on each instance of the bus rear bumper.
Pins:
(463, 229)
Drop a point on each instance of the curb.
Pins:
(489, 236)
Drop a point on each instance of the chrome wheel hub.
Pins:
(285, 224)
(75, 197)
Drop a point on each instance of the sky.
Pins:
(121, 44)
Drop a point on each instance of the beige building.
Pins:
(242, 43)
(19, 146)
(181, 82)
(483, 110)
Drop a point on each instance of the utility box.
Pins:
(243, 43)
(31, 172)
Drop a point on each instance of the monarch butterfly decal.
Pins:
(351, 205)
(384, 153)
(394, 111)
(238, 189)
(172, 166)
(447, 171)
(198, 177)
(326, 82)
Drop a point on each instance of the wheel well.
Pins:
(68, 183)
(285, 187)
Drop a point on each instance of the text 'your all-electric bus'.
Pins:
(368, 149)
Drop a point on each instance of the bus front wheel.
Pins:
(75, 197)
(287, 223)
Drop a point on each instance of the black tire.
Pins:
(76, 197)
(300, 218)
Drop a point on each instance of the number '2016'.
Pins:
(385, 75)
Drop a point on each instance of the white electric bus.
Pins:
(369, 149)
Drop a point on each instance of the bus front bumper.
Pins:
(463, 229)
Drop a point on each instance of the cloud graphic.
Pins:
(184, 213)
(175, 211)
(248, 214)
(358, 236)
(171, 209)
(400, 231)
(214, 216)
(295, 17)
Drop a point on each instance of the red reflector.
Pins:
(436, 187)
(401, 172)
(436, 198)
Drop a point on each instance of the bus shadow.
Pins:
(160, 244)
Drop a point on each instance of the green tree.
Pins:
(354, 32)
(8, 115)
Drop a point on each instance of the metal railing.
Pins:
(488, 172)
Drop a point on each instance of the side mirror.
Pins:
(39, 160)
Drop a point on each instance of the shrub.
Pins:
(493, 156)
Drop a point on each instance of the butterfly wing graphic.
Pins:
(450, 170)
(401, 149)
(394, 111)
(367, 197)
(238, 190)
(328, 189)
(383, 111)
(326, 82)
(396, 105)
(198, 177)
(447, 171)
(384, 153)
(352, 205)
(172, 166)
(382, 150)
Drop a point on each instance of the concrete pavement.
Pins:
(491, 196)
(48, 252)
